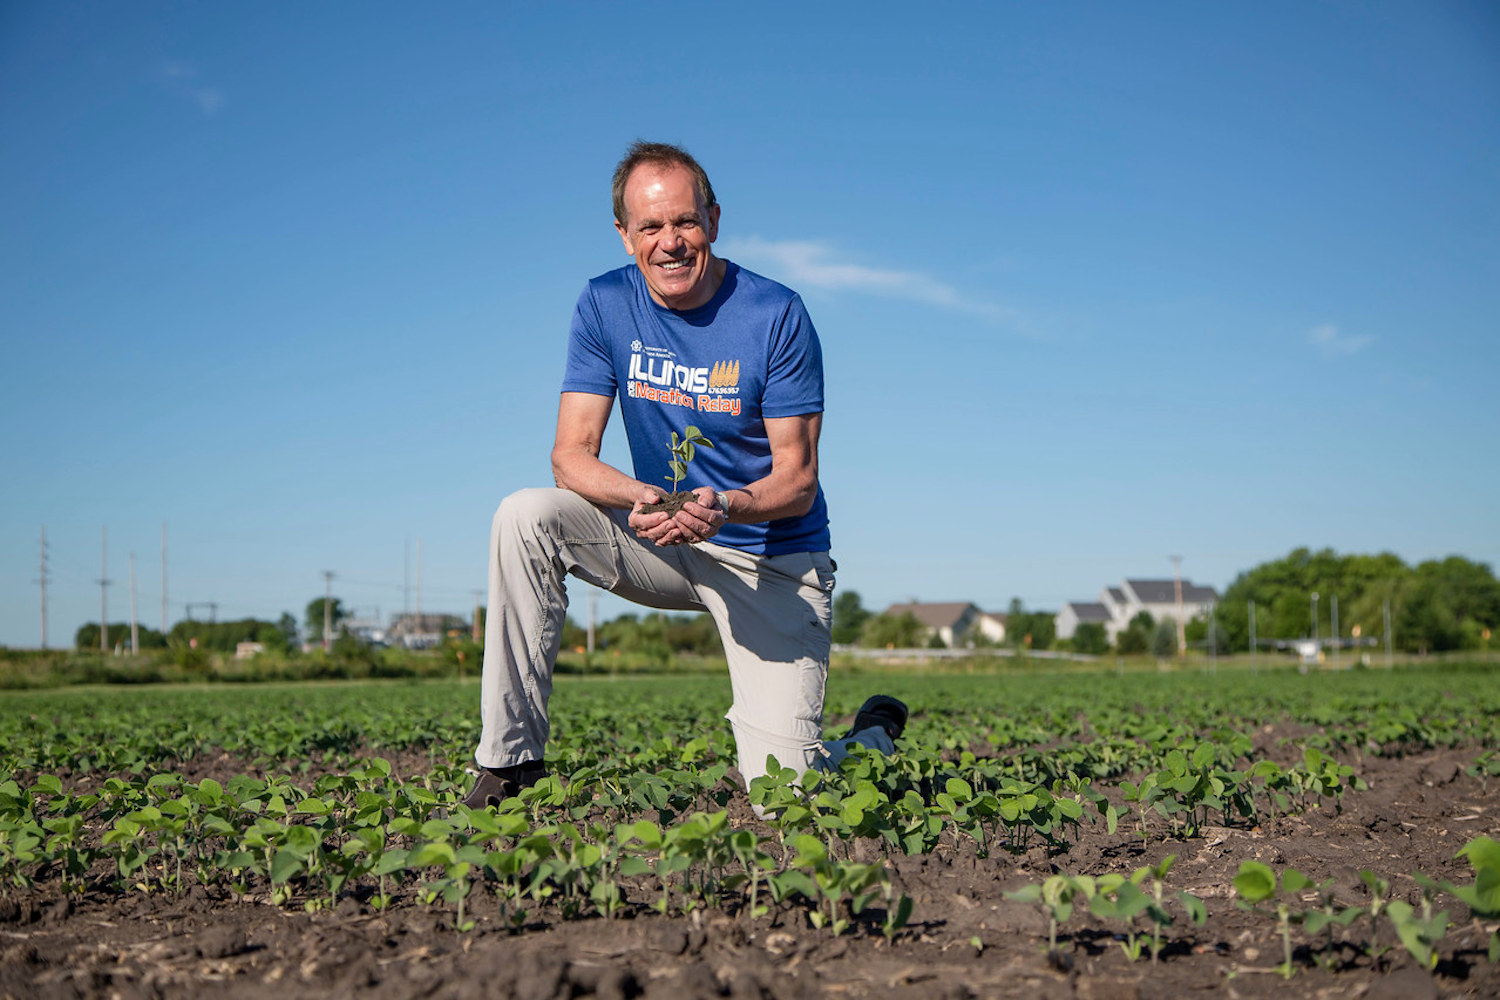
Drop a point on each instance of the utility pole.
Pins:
(477, 631)
(1181, 625)
(593, 617)
(1213, 652)
(164, 579)
(420, 626)
(327, 607)
(135, 630)
(1316, 648)
(406, 584)
(1385, 609)
(43, 581)
(104, 583)
(1333, 606)
(1252, 638)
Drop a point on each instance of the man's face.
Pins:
(670, 232)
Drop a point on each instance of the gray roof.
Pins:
(1117, 594)
(934, 615)
(1086, 612)
(1165, 592)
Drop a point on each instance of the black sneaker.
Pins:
(880, 710)
(496, 784)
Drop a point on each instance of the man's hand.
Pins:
(701, 520)
(696, 522)
(656, 527)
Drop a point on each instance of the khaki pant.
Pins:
(773, 614)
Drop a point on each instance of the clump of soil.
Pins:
(671, 503)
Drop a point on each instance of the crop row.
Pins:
(1142, 909)
(90, 793)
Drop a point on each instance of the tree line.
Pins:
(1440, 605)
(1435, 606)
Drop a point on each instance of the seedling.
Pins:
(1255, 884)
(682, 453)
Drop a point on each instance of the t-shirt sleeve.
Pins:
(794, 373)
(590, 367)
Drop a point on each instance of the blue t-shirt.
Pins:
(747, 354)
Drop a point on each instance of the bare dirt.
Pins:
(1415, 815)
(671, 503)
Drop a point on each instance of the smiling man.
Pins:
(681, 338)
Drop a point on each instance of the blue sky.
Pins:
(1097, 284)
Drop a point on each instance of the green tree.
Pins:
(849, 617)
(287, 624)
(314, 617)
(1205, 630)
(87, 637)
(1135, 639)
(1091, 638)
(223, 637)
(1041, 626)
(1164, 639)
(1437, 605)
(901, 631)
(1132, 641)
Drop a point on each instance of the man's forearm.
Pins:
(594, 480)
(770, 499)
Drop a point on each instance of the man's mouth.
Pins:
(672, 265)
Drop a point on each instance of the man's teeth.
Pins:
(673, 265)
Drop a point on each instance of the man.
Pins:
(683, 338)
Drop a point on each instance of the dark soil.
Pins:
(671, 503)
(1417, 812)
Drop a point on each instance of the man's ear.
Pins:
(625, 237)
(713, 223)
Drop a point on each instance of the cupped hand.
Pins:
(700, 520)
(657, 527)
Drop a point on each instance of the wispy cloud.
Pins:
(810, 264)
(1332, 344)
(181, 80)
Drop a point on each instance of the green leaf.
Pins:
(1255, 882)
(1197, 911)
(1026, 894)
(284, 865)
(437, 853)
(1482, 852)
(1294, 881)
(632, 865)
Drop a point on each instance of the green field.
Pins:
(303, 795)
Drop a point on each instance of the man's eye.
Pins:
(648, 230)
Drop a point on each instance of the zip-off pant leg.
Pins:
(774, 615)
(538, 536)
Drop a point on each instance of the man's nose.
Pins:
(671, 238)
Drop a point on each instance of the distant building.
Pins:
(1118, 605)
(991, 625)
(424, 631)
(1076, 613)
(952, 622)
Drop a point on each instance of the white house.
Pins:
(991, 625)
(1118, 605)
